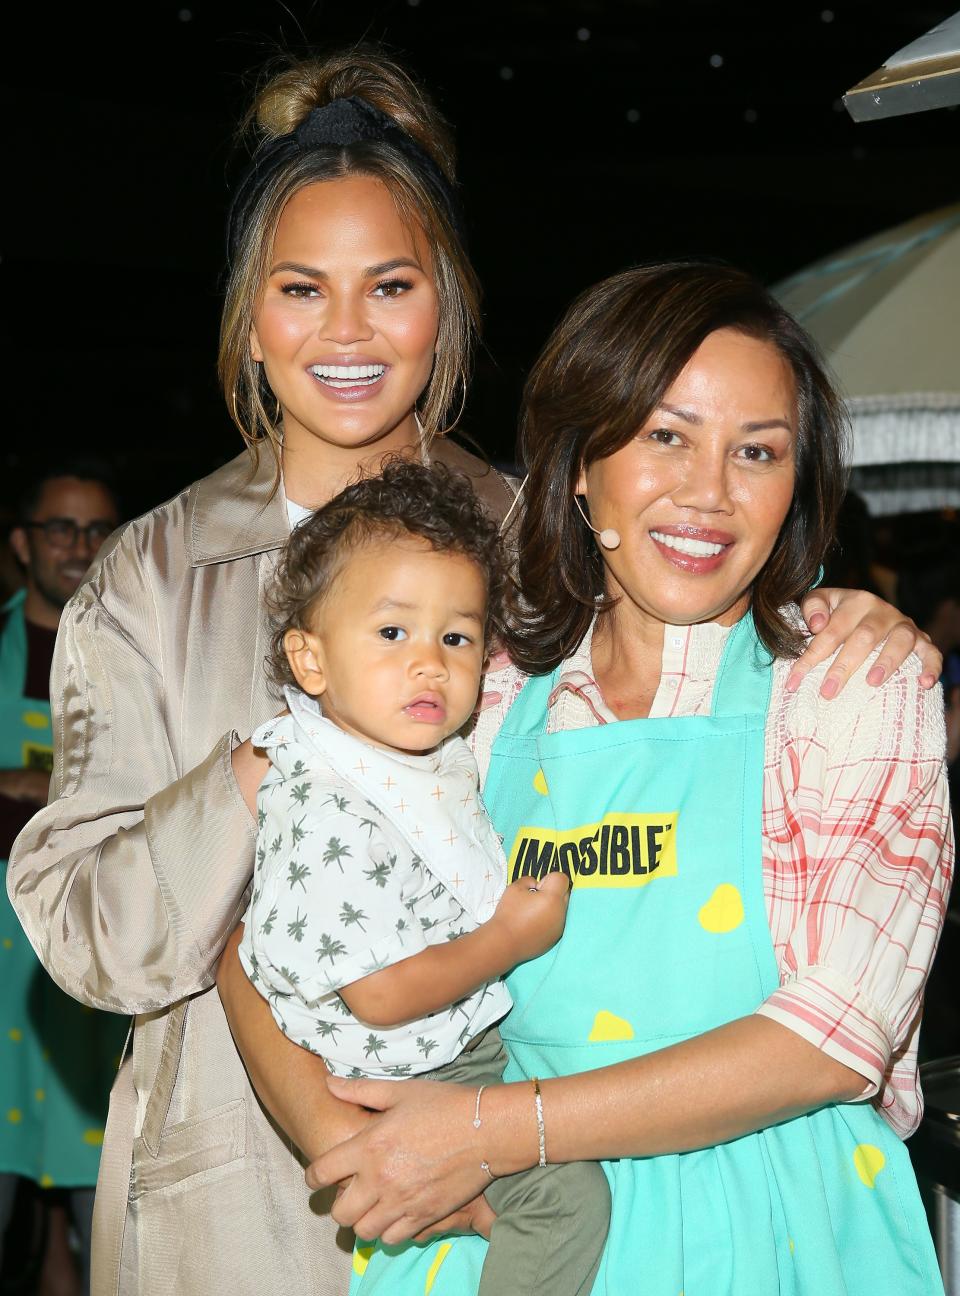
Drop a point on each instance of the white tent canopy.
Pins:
(886, 313)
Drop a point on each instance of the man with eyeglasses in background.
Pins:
(57, 1058)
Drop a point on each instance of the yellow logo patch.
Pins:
(38, 756)
(622, 850)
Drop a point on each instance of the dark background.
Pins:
(592, 134)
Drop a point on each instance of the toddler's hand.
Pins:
(532, 914)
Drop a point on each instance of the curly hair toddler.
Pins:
(380, 923)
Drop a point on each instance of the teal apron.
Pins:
(57, 1057)
(659, 823)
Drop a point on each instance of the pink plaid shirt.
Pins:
(857, 845)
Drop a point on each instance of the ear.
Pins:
(20, 545)
(305, 660)
(581, 486)
(256, 350)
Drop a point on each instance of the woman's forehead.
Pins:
(734, 372)
(353, 217)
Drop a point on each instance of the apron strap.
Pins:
(745, 676)
(527, 717)
(13, 646)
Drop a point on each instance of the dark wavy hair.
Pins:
(407, 498)
(603, 372)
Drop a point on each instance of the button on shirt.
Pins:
(857, 844)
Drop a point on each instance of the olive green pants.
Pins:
(551, 1223)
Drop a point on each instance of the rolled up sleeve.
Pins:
(130, 880)
(864, 840)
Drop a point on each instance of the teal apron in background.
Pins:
(57, 1057)
(659, 823)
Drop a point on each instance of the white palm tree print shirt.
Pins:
(364, 858)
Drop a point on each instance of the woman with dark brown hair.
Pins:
(729, 1023)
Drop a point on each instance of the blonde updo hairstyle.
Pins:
(280, 106)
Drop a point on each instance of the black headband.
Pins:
(338, 124)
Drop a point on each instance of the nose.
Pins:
(704, 486)
(428, 661)
(82, 546)
(345, 319)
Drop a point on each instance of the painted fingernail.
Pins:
(876, 675)
(793, 682)
(817, 621)
(927, 680)
(829, 687)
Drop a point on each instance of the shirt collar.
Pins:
(690, 652)
(236, 511)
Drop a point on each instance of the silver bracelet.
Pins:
(477, 1122)
(541, 1133)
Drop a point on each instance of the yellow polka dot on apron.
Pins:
(93, 1136)
(14, 1115)
(361, 1258)
(35, 720)
(868, 1161)
(723, 911)
(790, 1245)
(7, 943)
(608, 1026)
(442, 1253)
(540, 783)
(40, 1094)
(15, 1034)
(46, 1181)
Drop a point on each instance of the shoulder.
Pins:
(501, 688)
(122, 580)
(898, 720)
(496, 490)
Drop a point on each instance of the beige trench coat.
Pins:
(129, 882)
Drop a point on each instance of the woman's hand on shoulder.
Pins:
(852, 623)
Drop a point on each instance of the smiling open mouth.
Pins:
(686, 545)
(339, 376)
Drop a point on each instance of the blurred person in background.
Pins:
(852, 560)
(58, 1058)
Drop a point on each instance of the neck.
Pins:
(630, 643)
(38, 609)
(627, 653)
(627, 650)
(314, 470)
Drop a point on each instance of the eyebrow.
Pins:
(371, 272)
(388, 604)
(762, 425)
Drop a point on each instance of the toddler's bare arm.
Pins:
(528, 920)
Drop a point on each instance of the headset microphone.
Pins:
(608, 538)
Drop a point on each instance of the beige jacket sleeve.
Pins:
(129, 881)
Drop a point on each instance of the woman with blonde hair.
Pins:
(350, 308)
